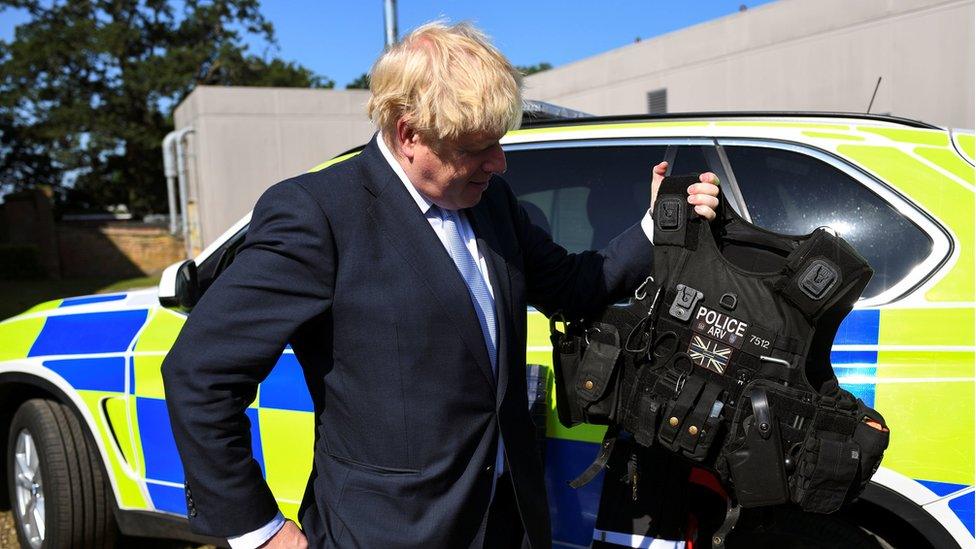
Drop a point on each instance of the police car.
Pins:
(88, 449)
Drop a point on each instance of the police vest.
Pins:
(723, 357)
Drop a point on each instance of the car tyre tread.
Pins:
(78, 512)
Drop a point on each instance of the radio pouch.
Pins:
(596, 375)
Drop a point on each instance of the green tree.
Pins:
(361, 83)
(87, 89)
(532, 69)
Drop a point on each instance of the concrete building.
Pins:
(243, 140)
(789, 55)
(786, 55)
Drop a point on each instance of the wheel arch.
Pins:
(893, 516)
(19, 387)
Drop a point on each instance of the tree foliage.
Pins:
(532, 69)
(360, 83)
(87, 89)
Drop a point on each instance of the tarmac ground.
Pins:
(8, 538)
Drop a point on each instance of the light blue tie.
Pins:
(481, 298)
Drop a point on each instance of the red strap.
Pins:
(706, 478)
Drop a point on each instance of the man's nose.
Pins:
(495, 163)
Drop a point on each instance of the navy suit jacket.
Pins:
(342, 264)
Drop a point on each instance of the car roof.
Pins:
(556, 117)
(737, 116)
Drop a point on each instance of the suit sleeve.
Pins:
(281, 278)
(583, 283)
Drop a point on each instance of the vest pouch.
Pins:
(872, 443)
(642, 421)
(709, 433)
(596, 382)
(703, 423)
(567, 354)
(687, 389)
(756, 463)
(825, 471)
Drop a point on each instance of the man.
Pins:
(400, 277)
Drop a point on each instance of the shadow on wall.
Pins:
(35, 246)
(115, 250)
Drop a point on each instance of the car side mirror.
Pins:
(178, 286)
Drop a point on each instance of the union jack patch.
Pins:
(709, 353)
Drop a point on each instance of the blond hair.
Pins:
(446, 81)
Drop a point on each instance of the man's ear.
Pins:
(406, 139)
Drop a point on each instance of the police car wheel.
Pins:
(790, 528)
(57, 489)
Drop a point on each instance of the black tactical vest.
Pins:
(723, 357)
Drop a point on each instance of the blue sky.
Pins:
(340, 39)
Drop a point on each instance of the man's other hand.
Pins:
(703, 195)
(289, 537)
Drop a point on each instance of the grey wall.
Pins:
(246, 139)
(790, 55)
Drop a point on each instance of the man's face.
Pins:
(453, 174)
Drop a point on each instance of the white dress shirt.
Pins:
(254, 539)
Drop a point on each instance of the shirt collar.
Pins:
(422, 201)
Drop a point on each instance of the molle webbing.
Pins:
(710, 361)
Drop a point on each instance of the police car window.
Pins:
(790, 192)
(583, 196)
(219, 260)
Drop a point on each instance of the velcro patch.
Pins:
(709, 354)
(758, 341)
(721, 326)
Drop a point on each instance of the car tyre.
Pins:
(58, 493)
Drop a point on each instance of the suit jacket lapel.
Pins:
(490, 247)
(396, 214)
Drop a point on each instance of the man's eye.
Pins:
(475, 151)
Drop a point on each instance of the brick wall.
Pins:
(115, 250)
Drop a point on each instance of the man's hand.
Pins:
(289, 537)
(703, 195)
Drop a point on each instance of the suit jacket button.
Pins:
(489, 469)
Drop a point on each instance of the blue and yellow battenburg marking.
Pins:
(116, 355)
(280, 419)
